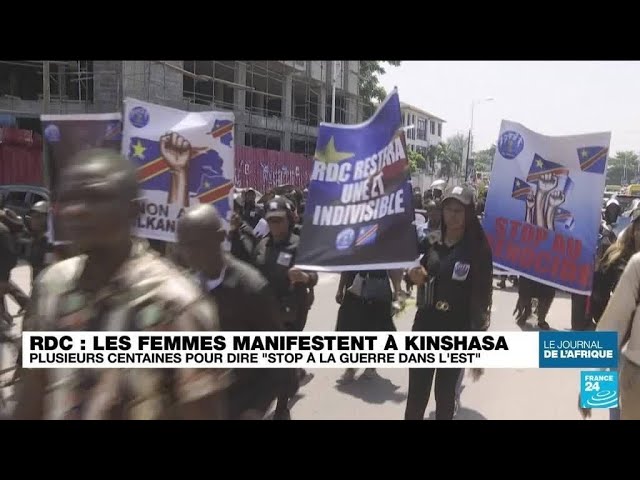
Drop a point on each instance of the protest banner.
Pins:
(543, 209)
(67, 135)
(183, 159)
(359, 213)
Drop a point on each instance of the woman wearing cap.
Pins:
(457, 264)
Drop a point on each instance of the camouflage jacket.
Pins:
(146, 293)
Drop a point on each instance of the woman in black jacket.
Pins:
(455, 292)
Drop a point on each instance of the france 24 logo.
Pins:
(599, 389)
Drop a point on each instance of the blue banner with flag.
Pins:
(359, 213)
(542, 213)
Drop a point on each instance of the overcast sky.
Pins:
(552, 98)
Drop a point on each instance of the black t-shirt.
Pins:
(274, 261)
(450, 274)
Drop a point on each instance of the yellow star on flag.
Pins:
(138, 150)
(584, 153)
(330, 155)
(517, 183)
(539, 163)
(207, 184)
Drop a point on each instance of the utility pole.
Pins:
(333, 91)
(46, 87)
(46, 99)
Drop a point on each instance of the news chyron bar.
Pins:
(596, 350)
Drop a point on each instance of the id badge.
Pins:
(460, 271)
(284, 259)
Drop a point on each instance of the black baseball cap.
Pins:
(461, 193)
(277, 207)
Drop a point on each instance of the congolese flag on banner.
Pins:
(546, 228)
(182, 158)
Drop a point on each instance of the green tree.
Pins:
(416, 162)
(432, 157)
(457, 147)
(444, 157)
(484, 159)
(371, 92)
(615, 174)
(621, 162)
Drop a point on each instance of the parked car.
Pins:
(20, 198)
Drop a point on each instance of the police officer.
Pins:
(275, 257)
(36, 223)
(295, 198)
(457, 264)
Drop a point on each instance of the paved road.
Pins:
(499, 394)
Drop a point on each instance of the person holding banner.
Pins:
(275, 257)
(365, 300)
(457, 264)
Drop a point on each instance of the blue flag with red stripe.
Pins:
(593, 159)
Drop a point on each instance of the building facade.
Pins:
(426, 131)
(278, 104)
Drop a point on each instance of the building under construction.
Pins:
(278, 104)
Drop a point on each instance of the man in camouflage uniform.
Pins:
(118, 284)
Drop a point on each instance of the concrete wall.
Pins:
(116, 80)
(107, 85)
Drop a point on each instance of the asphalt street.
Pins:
(501, 394)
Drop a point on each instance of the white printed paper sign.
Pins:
(183, 159)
